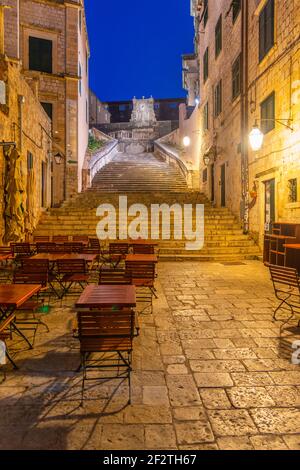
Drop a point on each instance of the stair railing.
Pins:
(102, 158)
(172, 159)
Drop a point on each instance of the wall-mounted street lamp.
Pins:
(210, 156)
(256, 136)
(59, 158)
(8, 144)
(186, 141)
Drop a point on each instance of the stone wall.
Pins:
(58, 21)
(278, 72)
(26, 123)
(98, 112)
(223, 132)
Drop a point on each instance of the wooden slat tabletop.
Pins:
(15, 295)
(95, 296)
(142, 258)
(89, 257)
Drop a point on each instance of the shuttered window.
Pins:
(205, 117)
(218, 37)
(205, 66)
(40, 54)
(267, 108)
(236, 8)
(266, 29)
(236, 78)
(205, 12)
(218, 99)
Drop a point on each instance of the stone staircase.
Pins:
(224, 239)
(143, 172)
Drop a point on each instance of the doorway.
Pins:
(223, 185)
(212, 179)
(269, 204)
(43, 184)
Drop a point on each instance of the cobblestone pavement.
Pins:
(211, 371)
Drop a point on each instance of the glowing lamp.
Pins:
(256, 138)
(186, 141)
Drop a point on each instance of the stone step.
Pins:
(146, 180)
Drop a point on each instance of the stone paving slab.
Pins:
(211, 370)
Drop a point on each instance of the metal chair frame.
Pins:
(286, 285)
(104, 331)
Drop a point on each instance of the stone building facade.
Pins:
(166, 109)
(248, 54)
(23, 122)
(49, 37)
(99, 113)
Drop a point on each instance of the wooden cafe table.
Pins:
(53, 257)
(13, 296)
(107, 296)
(142, 258)
(141, 241)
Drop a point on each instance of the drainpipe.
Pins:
(245, 116)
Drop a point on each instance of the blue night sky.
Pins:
(136, 47)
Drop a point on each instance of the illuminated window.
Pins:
(293, 193)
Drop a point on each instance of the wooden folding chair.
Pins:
(46, 247)
(70, 272)
(41, 239)
(71, 247)
(6, 328)
(6, 268)
(60, 238)
(117, 253)
(103, 333)
(108, 276)
(286, 285)
(36, 266)
(33, 305)
(80, 239)
(21, 250)
(140, 249)
(142, 275)
(95, 244)
(117, 277)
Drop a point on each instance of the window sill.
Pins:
(293, 205)
(268, 55)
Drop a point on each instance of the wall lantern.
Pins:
(256, 136)
(58, 157)
(186, 141)
(206, 160)
(210, 156)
